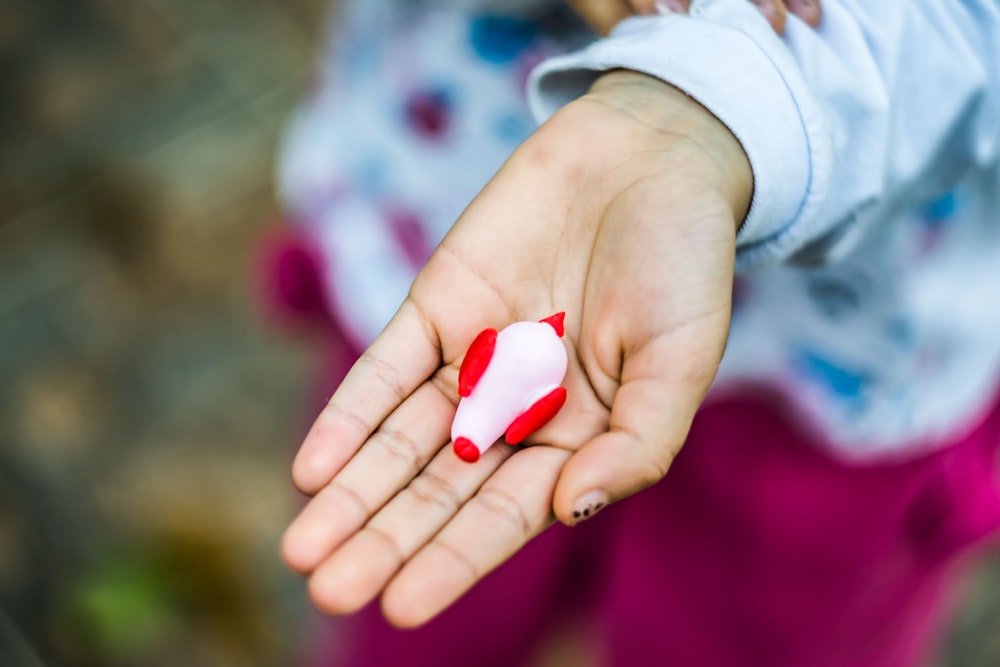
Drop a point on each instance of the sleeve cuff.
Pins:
(726, 57)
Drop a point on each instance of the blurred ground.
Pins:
(146, 418)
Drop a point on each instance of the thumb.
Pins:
(662, 387)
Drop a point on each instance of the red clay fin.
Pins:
(466, 451)
(476, 360)
(556, 322)
(537, 416)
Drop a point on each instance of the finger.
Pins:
(602, 15)
(394, 455)
(774, 11)
(401, 358)
(511, 508)
(810, 11)
(662, 386)
(360, 569)
(661, 6)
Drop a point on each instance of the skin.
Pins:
(604, 15)
(621, 210)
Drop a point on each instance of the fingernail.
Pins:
(589, 504)
(670, 7)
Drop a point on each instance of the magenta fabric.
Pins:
(757, 549)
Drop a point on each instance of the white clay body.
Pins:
(528, 362)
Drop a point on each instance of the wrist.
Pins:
(707, 144)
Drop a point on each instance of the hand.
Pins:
(621, 210)
(603, 15)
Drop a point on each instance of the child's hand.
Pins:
(621, 210)
(603, 15)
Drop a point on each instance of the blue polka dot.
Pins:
(841, 381)
(500, 39)
(941, 209)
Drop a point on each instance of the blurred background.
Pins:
(147, 414)
(147, 417)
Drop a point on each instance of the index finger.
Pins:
(405, 354)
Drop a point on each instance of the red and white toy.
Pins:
(510, 385)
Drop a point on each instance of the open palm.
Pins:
(621, 211)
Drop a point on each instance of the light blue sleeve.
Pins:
(884, 97)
